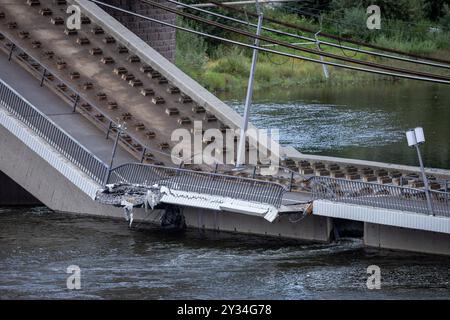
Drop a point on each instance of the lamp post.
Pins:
(415, 138)
(120, 128)
(248, 100)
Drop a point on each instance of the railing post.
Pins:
(13, 46)
(77, 98)
(290, 183)
(143, 154)
(43, 76)
(109, 129)
(116, 142)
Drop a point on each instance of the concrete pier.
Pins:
(389, 237)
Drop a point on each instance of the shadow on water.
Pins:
(149, 263)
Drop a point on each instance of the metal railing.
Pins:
(199, 182)
(52, 133)
(379, 195)
(79, 101)
(133, 173)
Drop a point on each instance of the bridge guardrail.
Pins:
(75, 97)
(379, 195)
(200, 182)
(52, 133)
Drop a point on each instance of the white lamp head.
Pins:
(411, 137)
(420, 136)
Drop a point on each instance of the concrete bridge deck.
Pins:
(60, 112)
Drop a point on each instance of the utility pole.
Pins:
(415, 138)
(120, 128)
(425, 181)
(248, 100)
(324, 66)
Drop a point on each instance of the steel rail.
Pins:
(86, 99)
(290, 46)
(331, 36)
(53, 134)
(380, 72)
(379, 195)
(373, 53)
(215, 184)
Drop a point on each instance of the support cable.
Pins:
(374, 71)
(288, 45)
(422, 59)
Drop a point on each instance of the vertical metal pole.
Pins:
(77, 98)
(43, 77)
(248, 100)
(11, 51)
(116, 142)
(143, 154)
(291, 181)
(324, 66)
(425, 180)
(109, 129)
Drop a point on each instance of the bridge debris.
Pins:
(131, 196)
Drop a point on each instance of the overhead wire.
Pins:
(290, 46)
(374, 71)
(444, 63)
(340, 39)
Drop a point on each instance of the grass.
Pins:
(226, 68)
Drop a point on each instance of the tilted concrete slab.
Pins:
(147, 54)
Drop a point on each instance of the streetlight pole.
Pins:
(416, 137)
(248, 100)
(120, 127)
(425, 181)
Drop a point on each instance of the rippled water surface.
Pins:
(146, 263)
(359, 122)
(36, 246)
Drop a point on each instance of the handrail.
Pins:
(15, 103)
(199, 182)
(82, 96)
(380, 195)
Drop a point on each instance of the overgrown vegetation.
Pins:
(415, 26)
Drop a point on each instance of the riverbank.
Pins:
(223, 68)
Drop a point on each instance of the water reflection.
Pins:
(360, 122)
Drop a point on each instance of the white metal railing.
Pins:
(379, 195)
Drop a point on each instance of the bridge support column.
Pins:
(382, 236)
(311, 228)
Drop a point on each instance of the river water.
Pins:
(37, 246)
(360, 122)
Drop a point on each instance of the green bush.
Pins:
(191, 49)
(445, 20)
